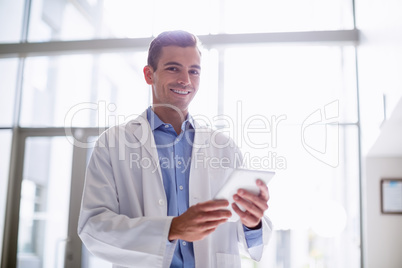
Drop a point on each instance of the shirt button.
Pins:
(181, 187)
(166, 126)
(161, 202)
(179, 162)
(184, 243)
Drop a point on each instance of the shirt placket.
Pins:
(182, 205)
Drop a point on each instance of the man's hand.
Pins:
(255, 205)
(199, 220)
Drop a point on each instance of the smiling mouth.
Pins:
(181, 92)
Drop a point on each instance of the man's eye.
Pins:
(173, 69)
(195, 72)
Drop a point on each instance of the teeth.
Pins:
(180, 92)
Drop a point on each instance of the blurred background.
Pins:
(317, 85)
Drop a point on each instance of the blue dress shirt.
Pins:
(174, 152)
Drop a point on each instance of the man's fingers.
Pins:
(247, 218)
(209, 216)
(212, 205)
(212, 210)
(258, 201)
(264, 192)
(199, 220)
(212, 224)
(251, 207)
(255, 205)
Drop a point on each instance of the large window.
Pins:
(45, 202)
(96, 89)
(59, 20)
(82, 90)
(5, 145)
(8, 69)
(11, 19)
(291, 107)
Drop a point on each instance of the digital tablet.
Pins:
(244, 179)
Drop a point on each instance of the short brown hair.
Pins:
(170, 38)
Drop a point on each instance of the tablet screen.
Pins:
(245, 179)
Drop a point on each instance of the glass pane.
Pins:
(290, 81)
(45, 198)
(66, 20)
(8, 71)
(83, 90)
(314, 206)
(5, 145)
(284, 107)
(11, 13)
(205, 104)
(60, 20)
(194, 15)
(287, 15)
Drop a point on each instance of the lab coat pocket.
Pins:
(224, 260)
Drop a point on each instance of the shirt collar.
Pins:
(155, 121)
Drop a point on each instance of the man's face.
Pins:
(176, 79)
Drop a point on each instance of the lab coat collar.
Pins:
(155, 121)
(143, 132)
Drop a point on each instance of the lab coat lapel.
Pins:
(201, 138)
(155, 202)
(200, 190)
(199, 177)
(144, 135)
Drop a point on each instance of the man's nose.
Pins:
(184, 79)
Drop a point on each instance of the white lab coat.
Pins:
(123, 216)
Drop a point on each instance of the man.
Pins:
(148, 197)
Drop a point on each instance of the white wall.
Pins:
(383, 231)
(379, 57)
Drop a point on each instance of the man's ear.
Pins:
(148, 73)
